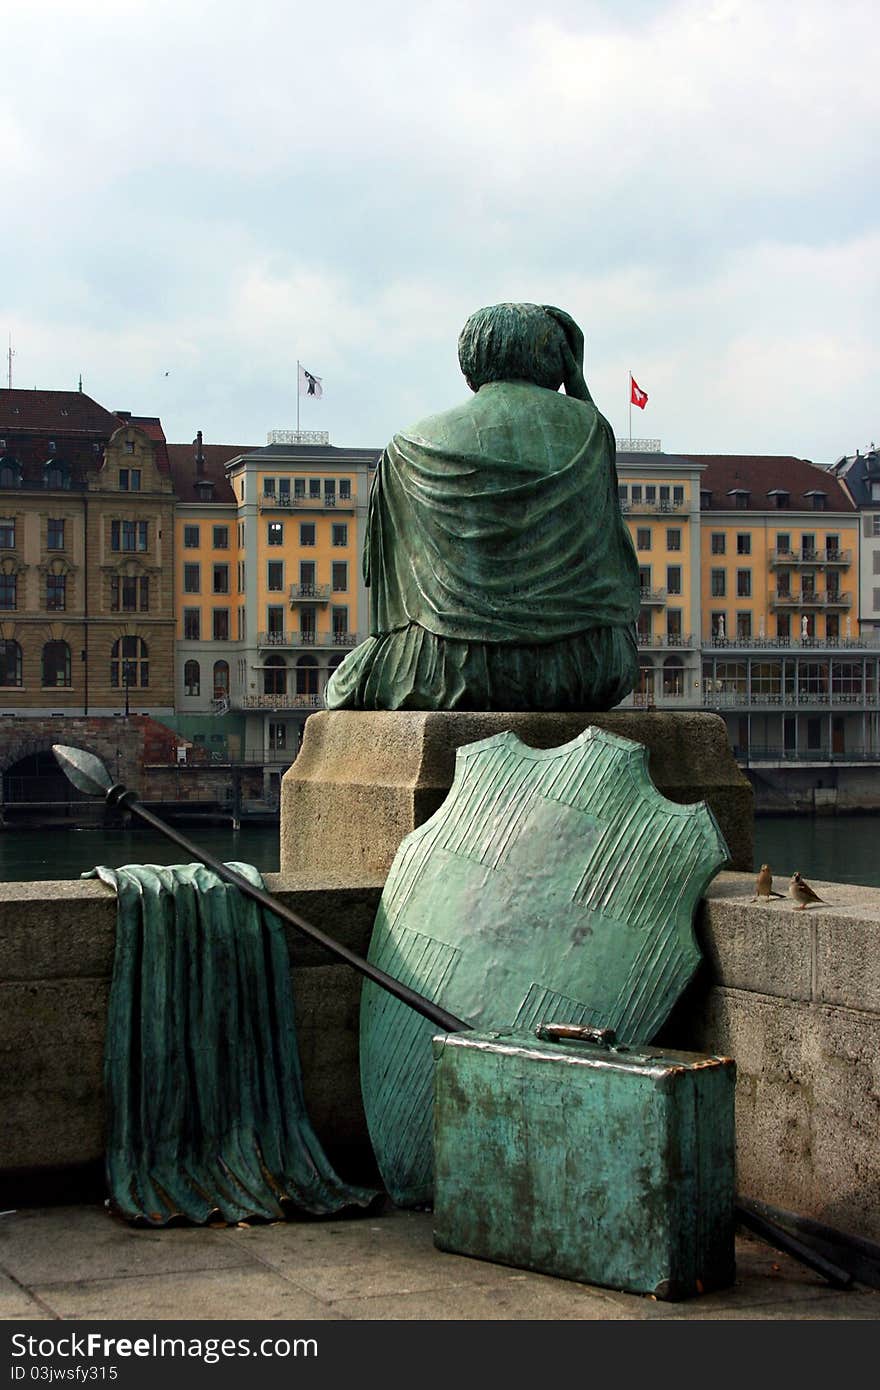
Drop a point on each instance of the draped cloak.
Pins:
(496, 552)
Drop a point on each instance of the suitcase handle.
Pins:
(575, 1032)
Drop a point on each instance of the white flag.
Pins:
(310, 385)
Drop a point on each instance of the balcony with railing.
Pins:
(665, 507)
(820, 599)
(327, 637)
(673, 641)
(774, 753)
(866, 643)
(276, 702)
(310, 593)
(659, 699)
(285, 501)
(810, 557)
(790, 699)
(651, 596)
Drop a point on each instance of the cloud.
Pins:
(344, 184)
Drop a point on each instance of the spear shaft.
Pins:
(89, 775)
(118, 795)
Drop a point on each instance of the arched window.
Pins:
(221, 679)
(307, 676)
(56, 663)
(673, 676)
(192, 678)
(275, 676)
(129, 664)
(10, 663)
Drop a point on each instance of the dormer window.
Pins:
(818, 499)
(705, 499)
(741, 497)
(205, 490)
(129, 446)
(779, 498)
(56, 474)
(10, 471)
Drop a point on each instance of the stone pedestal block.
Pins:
(365, 778)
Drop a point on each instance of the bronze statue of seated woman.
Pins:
(501, 573)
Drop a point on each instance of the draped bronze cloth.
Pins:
(501, 572)
(205, 1108)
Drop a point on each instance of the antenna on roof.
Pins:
(9, 356)
(200, 457)
(80, 382)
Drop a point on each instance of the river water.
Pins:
(837, 848)
(66, 853)
(840, 849)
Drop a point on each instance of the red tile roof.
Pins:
(152, 427)
(64, 412)
(760, 474)
(182, 458)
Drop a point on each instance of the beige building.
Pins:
(86, 560)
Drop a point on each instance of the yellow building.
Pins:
(750, 602)
(783, 657)
(660, 499)
(269, 582)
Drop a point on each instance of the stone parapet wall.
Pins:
(793, 996)
(56, 961)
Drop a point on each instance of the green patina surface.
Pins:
(608, 1167)
(501, 573)
(552, 885)
(205, 1107)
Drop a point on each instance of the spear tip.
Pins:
(86, 771)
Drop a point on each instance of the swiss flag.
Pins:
(636, 394)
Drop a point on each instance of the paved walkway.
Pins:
(80, 1263)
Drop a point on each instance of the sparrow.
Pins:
(764, 885)
(802, 892)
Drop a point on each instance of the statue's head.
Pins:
(514, 342)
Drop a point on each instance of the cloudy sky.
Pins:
(211, 190)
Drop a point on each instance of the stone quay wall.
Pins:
(794, 996)
(819, 790)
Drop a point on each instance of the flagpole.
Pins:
(630, 409)
(297, 395)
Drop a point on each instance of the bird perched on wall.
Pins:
(764, 885)
(802, 892)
